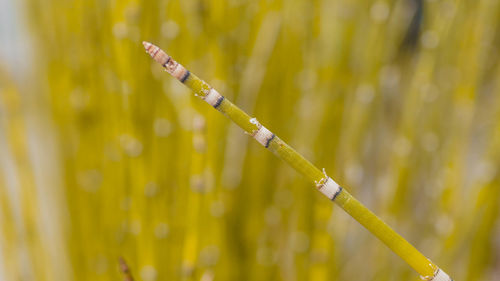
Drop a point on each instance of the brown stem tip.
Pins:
(125, 270)
(171, 66)
(156, 53)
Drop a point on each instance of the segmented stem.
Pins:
(326, 185)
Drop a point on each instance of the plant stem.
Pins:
(426, 268)
(127, 275)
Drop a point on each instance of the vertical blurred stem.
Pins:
(29, 242)
(346, 201)
(194, 200)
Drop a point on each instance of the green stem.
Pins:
(426, 268)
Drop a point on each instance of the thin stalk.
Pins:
(127, 275)
(196, 196)
(425, 267)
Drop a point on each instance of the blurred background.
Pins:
(104, 155)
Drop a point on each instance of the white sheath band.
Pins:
(179, 72)
(329, 188)
(441, 276)
(263, 135)
(212, 97)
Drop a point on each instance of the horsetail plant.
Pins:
(325, 184)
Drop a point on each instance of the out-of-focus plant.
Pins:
(109, 160)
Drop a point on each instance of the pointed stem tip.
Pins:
(146, 44)
(156, 53)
